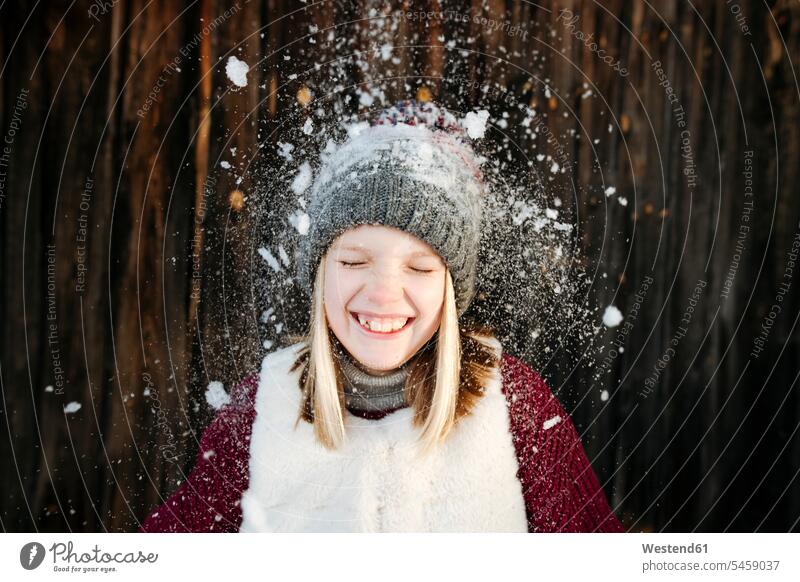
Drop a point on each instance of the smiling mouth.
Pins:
(381, 326)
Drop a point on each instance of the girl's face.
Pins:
(383, 294)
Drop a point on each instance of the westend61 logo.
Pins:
(65, 559)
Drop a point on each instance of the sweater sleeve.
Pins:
(561, 491)
(208, 500)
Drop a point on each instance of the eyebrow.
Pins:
(367, 252)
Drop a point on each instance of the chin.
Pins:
(382, 356)
(382, 359)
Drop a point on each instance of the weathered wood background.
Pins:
(128, 263)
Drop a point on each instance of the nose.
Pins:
(384, 287)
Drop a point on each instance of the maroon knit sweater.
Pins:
(561, 492)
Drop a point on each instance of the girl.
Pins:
(391, 414)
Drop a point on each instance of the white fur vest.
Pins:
(375, 482)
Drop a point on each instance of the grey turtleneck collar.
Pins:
(365, 392)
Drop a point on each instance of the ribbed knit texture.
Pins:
(561, 491)
(365, 392)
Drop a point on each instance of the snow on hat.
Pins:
(412, 168)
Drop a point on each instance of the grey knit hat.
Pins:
(413, 169)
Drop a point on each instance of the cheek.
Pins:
(338, 292)
(428, 296)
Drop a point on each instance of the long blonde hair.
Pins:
(446, 377)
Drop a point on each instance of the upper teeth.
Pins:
(382, 325)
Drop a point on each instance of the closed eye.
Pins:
(356, 264)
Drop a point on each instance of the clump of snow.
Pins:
(302, 179)
(48, 389)
(604, 395)
(300, 221)
(225, 165)
(283, 255)
(610, 191)
(551, 422)
(445, 163)
(237, 71)
(270, 258)
(563, 226)
(285, 150)
(475, 123)
(425, 152)
(612, 316)
(330, 147)
(308, 126)
(355, 129)
(365, 98)
(522, 211)
(72, 407)
(216, 395)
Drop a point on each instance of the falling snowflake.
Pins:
(551, 422)
(72, 407)
(270, 258)
(302, 179)
(475, 123)
(236, 71)
(216, 395)
(612, 316)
